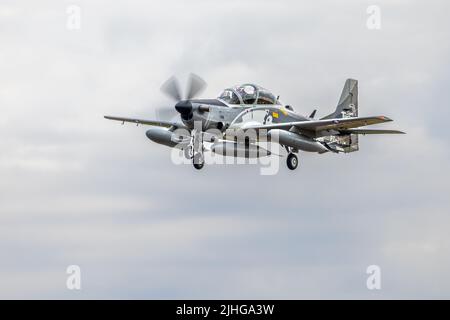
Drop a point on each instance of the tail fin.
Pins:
(347, 108)
(348, 103)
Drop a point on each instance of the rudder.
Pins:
(347, 106)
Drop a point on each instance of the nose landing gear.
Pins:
(198, 160)
(188, 152)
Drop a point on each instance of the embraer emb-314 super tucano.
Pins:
(251, 107)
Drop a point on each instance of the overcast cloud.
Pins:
(77, 189)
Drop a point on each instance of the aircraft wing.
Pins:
(371, 131)
(157, 123)
(326, 124)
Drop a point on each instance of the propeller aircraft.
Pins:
(249, 107)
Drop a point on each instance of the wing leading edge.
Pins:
(371, 131)
(157, 123)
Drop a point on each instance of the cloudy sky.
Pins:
(79, 190)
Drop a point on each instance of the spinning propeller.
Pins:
(195, 86)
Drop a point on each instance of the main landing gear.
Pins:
(292, 159)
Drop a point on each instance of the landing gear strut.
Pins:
(188, 152)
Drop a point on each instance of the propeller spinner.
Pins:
(171, 88)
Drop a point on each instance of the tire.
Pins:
(198, 161)
(198, 166)
(292, 161)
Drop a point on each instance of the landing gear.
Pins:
(188, 152)
(292, 161)
(198, 161)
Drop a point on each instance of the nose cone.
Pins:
(184, 107)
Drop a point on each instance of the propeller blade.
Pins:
(195, 86)
(172, 89)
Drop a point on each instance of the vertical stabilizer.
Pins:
(347, 106)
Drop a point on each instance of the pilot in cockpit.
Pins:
(248, 94)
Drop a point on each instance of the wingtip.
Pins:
(398, 132)
(387, 119)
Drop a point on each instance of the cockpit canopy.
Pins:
(248, 94)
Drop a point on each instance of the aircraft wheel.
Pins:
(198, 161)
(292, 161)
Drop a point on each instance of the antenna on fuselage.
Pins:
(313, 114)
